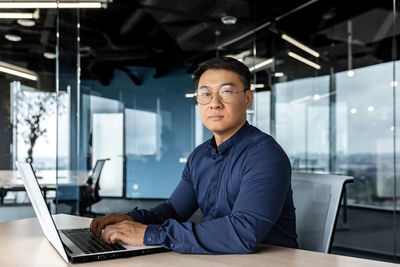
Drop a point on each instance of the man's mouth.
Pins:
(215, 117)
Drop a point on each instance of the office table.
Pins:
(22, 243)
(10, 180)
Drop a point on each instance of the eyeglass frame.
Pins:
(218, 93)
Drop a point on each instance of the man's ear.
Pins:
(249, 98)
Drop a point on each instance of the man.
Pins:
(240, 179)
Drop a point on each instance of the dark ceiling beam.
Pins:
(131, 75)
(109, 43)
(122, 56)
(186, 35)
(132, 21)
(48, 22)
(266, 24)
(178, 12)
(165, 69)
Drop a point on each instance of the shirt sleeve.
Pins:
(180, 206)
(262, 194)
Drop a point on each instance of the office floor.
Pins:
(367, 234)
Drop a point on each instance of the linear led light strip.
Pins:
(14, 15)
(304, 60)
(255, 86)
(300, 45)
(17, 71)
(20, 15)
(190, 95)
(315, 97)
(261, 64)
(9, 5)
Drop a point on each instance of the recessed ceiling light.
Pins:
(229, 20)
(13, 37)
(329, 15)
(49, 55)
(350, 73)
(26, 22)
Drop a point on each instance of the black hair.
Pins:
(226, 63)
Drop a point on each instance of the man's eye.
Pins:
(204, 94)
(226, 92)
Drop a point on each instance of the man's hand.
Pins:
(98, 224)
(129, 232)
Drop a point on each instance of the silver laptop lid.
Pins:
(39, 205)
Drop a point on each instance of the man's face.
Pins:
(224, 119)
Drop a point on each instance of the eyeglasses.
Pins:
(226, 94)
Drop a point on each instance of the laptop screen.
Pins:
(39, 205)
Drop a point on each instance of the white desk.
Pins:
(10, 180)
(22, 243)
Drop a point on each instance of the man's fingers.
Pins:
(108, 232)
(127, 231)
(115, 237)
(93, 224)
(115, 232)
(100, 223)
(103, 223)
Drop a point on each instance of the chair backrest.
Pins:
(96, 173)
(98, 167)
(317, 200)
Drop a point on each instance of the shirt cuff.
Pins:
(134, 214)
(137, 216)
(154, 235)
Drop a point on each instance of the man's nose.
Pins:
(216, 101)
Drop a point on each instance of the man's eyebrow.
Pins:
(227, 84)
(222, 85)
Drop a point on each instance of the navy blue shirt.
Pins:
(243, 189)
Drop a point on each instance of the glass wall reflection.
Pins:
(302, 122)
(28, 110)
(158, 131)
(365, 133)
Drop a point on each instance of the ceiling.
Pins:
(173, 34)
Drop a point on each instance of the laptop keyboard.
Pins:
(89, 243)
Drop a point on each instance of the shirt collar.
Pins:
(231, 141)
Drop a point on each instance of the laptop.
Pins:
(74, 245)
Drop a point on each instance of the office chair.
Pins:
(317, 200)
(90, 193)
(86, 195)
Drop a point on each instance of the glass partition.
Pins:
(331, 85)
(325, 83)
(302, 122)
(335, 112)
(28, 112)
(326, 95)
(67, 171)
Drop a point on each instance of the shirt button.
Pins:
(171, 245)
(149, 239)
